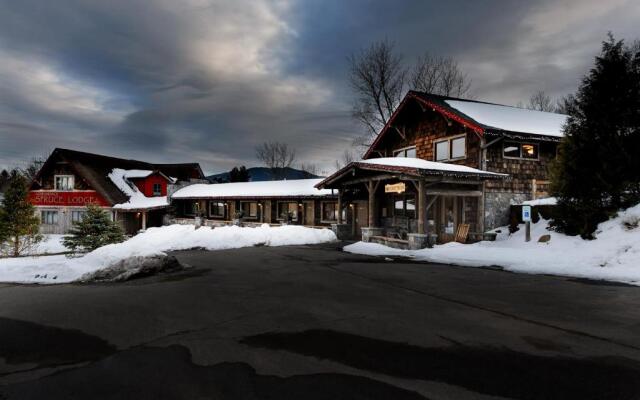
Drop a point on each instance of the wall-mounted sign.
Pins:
(395, 188)
(72, 198)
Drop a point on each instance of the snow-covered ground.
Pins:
(155, 242)
(50, 244)
(613, 256)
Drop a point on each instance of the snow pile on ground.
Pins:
(613, 256)
(50, 244)
(153, 244)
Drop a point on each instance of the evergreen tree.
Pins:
(239, 174)
(598, 169)
(18, 223)
(94, 230)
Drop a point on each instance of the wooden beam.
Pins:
(372, 205)
(401, 133)
(339, 216)
(446, 192)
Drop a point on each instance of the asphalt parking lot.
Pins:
(313, 322)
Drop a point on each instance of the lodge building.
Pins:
(294, 201)
(440, 162)
(133, 192)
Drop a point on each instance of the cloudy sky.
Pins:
(207, 80)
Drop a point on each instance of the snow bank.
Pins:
(155, 242)
(613, 256)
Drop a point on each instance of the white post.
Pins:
(144, 220)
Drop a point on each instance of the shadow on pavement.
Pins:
(169, 373)
(492, 371)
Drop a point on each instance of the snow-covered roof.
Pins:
(418, 163)
(288, 188)
(137, 199)
(512, 119)
(545, 201)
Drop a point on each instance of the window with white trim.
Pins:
(157, 189)
(63, 182)
(76, 216)
(525, 151)
(409, 152)
(453, 148)
(216, 209)
(49, 217)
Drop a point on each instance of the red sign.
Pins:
(74, 198)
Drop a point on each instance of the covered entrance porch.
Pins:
(409, 202)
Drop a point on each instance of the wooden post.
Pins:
(339, 216)
(481, 210)
(144, 220)
(423, 226)
(372, 187)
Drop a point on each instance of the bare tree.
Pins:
(439, 75)
(277, 156)
(565, 104)
(377, 76)
(310, 170)
(540, 101)
(346, 157)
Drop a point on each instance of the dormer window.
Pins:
(157, 189)
(63, 182)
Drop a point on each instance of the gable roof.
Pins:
(95, 169)
(484, 118)
(409, 166)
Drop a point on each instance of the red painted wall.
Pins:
(145, 185)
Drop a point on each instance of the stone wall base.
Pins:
(342, 231)
(497, 207)
(369, 232)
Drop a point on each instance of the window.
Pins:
(63, 182)
(406, 152)
(49, 217)
(527, 151)
(451, 148)
(76, 216)
(191, 208)
(250, 209)
(404, 206)
(288, 208)
(329, 211)
(216, 209)
(157, 189)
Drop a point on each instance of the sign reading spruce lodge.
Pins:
(71, 199)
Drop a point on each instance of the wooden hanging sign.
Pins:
(395, 188)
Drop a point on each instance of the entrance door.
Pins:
(450, 216)
(360, 217)
(309, 214)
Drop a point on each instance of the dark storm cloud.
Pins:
(208, 80)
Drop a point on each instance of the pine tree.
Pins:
(598, 169)
(94, 230)
(239, 174)
(19, 226)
